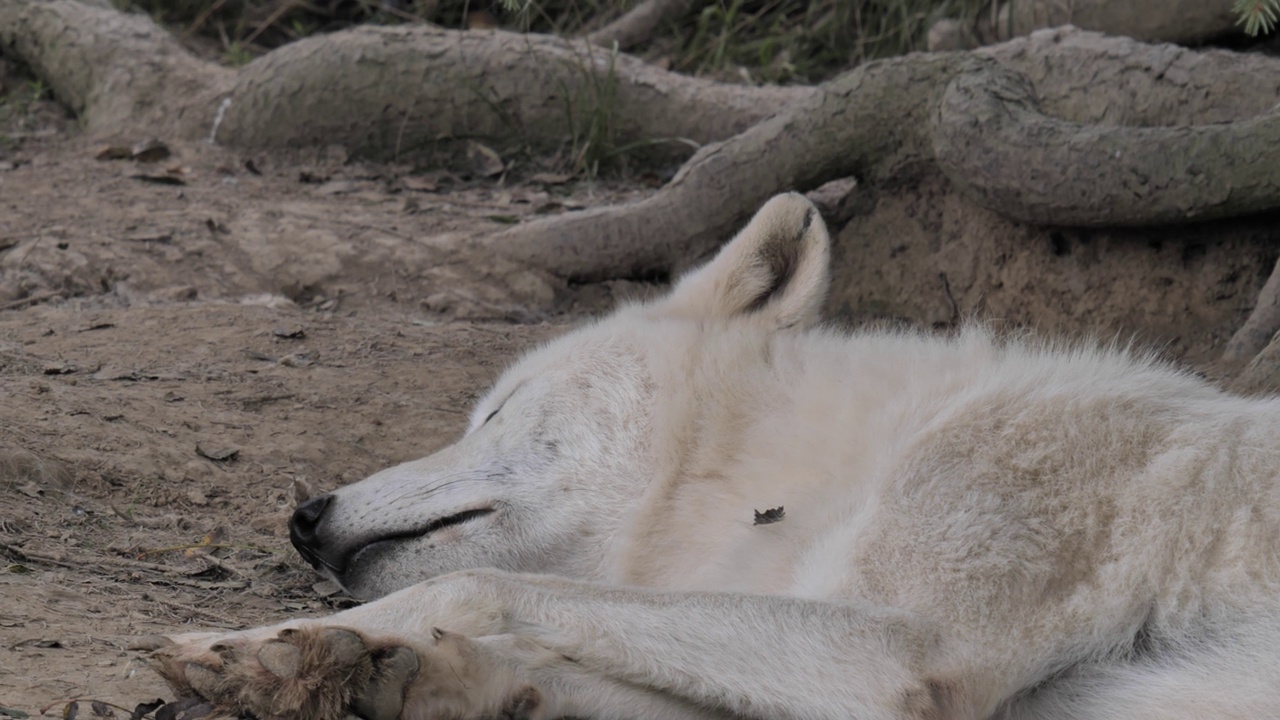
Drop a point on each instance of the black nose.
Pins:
(303, 526)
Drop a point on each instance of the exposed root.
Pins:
(639, 24)
(1176, 21)
(1259, 330)
(379, 91)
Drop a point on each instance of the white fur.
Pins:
(973, 528)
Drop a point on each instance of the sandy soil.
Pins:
(174, 357)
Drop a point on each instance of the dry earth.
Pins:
(173, 357)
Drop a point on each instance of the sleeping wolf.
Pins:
(709, 507)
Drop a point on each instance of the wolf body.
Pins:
(708, 506)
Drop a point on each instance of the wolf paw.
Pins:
(312, 672)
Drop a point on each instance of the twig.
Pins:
(223, 620)
(1261, 325)
(33, 300)
(272, 19)
(212, 546)
(946, 288)
(639, 24)
(203, 17)
(23, 555)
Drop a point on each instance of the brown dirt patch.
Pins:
(103, 484)
(307, 314)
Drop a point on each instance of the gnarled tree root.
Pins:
(1150, 134)
(639, 24)
(1259, 331)
(978, 120)
(376, 90)
(1178, 21)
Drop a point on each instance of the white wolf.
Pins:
(707, 507)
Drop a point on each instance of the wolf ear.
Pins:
(775, 269)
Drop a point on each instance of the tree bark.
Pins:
(977, 119)
(1260, 328)
(994, 143)
(378, 91)
(1074, 157)
(119, 73)
(1175, 21)
(864, 123)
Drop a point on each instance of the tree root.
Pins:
(115, 71)
(638, 25)
(1260, 328)
(976, 119)
(994, 143)
(378, 91)
(1176, 21)
(860, 124)
(1073, 149)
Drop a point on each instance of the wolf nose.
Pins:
(303, 524)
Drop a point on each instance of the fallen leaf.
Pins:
(145, 708)
(10, 712)
(40, 643)
(101, 709)
(293, 332)
(217, 537)
(70, 710)
(484, 160)
(115, 372)
(419, 183)
(551, 178)
(160, 239)
(481, 19)
(113, 152)
(97, 326)
(297, 360)
(159, 179)
(149, 151)
(217, 454)
(338, 187)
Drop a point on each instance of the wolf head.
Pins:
(570, 437)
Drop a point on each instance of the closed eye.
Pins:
(495, 412)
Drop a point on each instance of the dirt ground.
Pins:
(173, 357)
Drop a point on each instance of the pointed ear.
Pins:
(775, 269)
